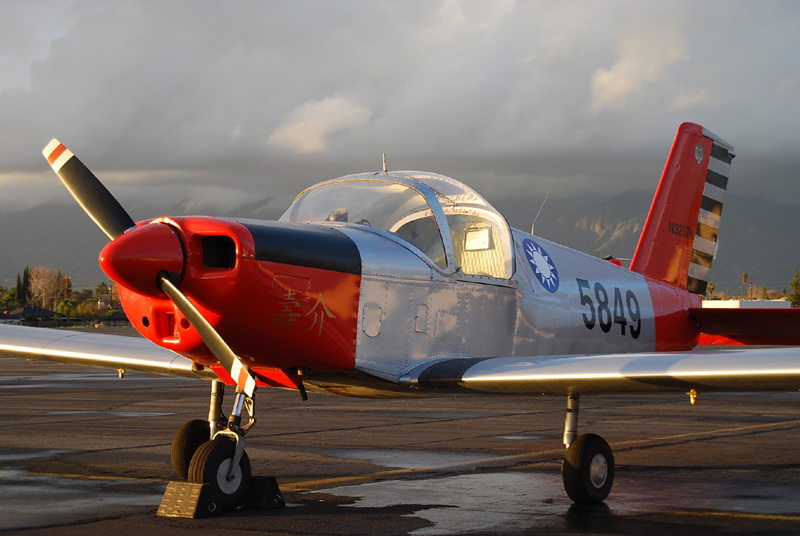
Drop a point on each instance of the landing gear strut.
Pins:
(588, 466)
(213, 452)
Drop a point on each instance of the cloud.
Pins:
(688, 100)
(309, 128)
(232, 92)
(644, 58)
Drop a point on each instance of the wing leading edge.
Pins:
(95, 350)
(752, 369)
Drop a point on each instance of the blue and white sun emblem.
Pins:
(542, 265)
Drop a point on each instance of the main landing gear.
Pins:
(588, 466)
(213, 452)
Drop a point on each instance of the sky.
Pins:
(218, 103)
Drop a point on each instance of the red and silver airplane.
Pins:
(410, 283)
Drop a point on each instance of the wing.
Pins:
(748, 326)
(95, 350)
(750, 369)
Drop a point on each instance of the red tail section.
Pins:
(679, 238)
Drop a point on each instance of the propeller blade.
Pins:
(88, 191)
(238, 370)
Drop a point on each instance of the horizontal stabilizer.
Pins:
(748, 326)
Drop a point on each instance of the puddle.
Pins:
(410, 459)
(465, 504)
(127, 414)
(68, 499)
(22, 456)
(512, 502)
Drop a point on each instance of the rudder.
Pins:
(679, 238)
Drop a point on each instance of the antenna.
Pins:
(384, 162)
(543, 202)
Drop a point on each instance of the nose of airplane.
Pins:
(135, 258)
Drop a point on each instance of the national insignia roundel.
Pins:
(541, 264)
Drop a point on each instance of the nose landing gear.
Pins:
(213, 452)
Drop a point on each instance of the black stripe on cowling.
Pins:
(720, 153)
(697, 286)
(707, 232)
(720, 181)
(308, 245)
(711, 205)
(702, 259)
(447, 374)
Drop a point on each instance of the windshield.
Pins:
(377, 204)
(480, 236)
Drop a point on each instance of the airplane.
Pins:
(397, 284)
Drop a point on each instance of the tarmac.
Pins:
(83, 451)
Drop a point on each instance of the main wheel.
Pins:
(188, 439)
(211, 465)
(588, 469)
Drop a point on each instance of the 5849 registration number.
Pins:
(605, 308)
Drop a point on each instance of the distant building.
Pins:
(747, 304)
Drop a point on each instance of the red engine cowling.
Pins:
(281, 295)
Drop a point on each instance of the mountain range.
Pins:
(757, 236)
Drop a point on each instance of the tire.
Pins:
(588, 470)
(188, 439)
(210, 465)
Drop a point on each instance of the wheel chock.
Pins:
(264, 494)
(188, 501)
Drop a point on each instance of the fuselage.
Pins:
(403, 275)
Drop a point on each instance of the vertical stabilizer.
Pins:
(679, 238)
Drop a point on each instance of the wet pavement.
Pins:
(84, 451)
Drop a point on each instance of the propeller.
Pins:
(88, 191)
(142, 257)
(238, 370)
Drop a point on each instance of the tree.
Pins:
(794, 295)
(10, 297)
(66, 307)
(710, 289)
(744, 280)
(762, 293)
(87, 310)
(23, 288)
(48, 286)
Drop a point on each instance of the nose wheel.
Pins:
(211, 464)
(188, 439)
(220, 462)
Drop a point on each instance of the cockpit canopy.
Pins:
(444, 220)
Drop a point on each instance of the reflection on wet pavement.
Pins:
(22, 456)
(518, 501)
(36, 501)
(468, 503)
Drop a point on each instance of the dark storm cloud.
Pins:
(270, 97)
